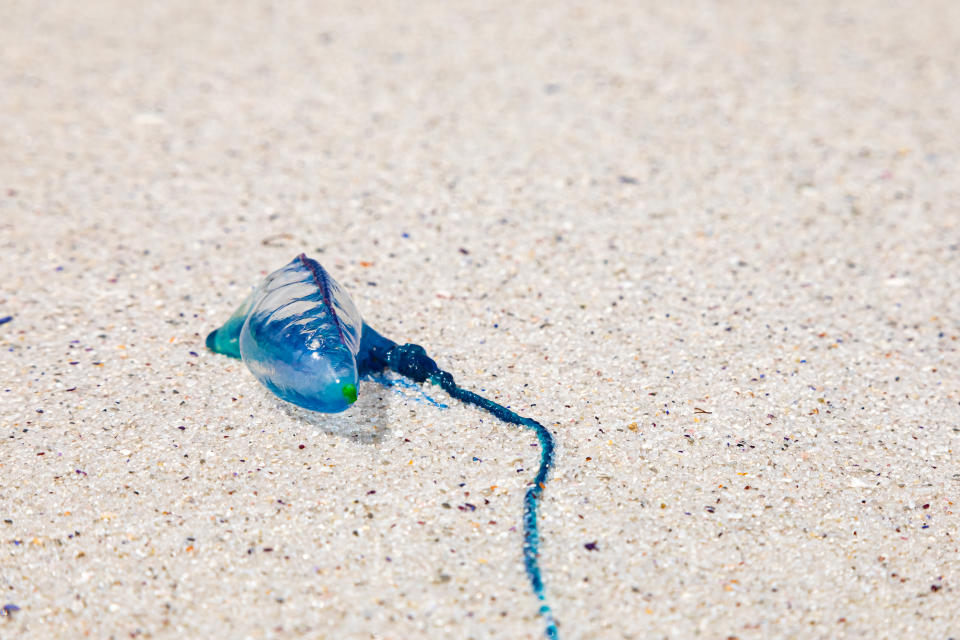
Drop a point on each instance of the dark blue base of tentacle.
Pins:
(374, 348)
(411, 360)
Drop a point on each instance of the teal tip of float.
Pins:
(219, 342)
(349, 392)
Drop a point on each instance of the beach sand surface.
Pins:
(713, 247)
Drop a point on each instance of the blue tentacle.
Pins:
(412, 361)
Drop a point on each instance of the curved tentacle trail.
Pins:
(412, 361)
(301, 336)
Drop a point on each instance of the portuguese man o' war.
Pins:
(301, 336)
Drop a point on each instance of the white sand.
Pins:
(638, 212)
